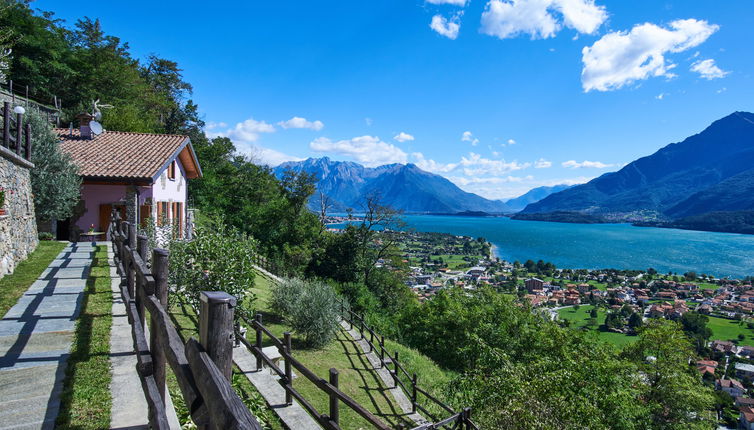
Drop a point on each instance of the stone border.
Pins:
(14, 158)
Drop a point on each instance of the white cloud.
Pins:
(368, 121)
(403, 137)
(573, 164)
(446, 27)
(708, 69)
(298, 122)
(540, 19)
(511, 142)
(262, 155)
(461, 3)
(620, 58)
(542, 164)
(213, 125)
(367, 150)
(246, 132)
(432, 165)
(661, 96)
(476, 165)
(721, 90)
(467, 136)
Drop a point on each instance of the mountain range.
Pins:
(404, 187)
(532, 196)
(710, 172)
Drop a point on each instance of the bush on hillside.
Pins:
(311, 308)
(218, 259)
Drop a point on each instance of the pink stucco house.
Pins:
(142, 175)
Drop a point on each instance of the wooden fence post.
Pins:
(6, 124)
(160, 274)
(131, 269)
(395, 372)
(382, 350)
(288, 370)
(334, 413)
(467, 418)
(216, 328)
(27, 137)
(258, 318)
(413, 393)
(142, 248)
(19, 132)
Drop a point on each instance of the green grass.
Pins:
(579, 319)
(725, 329)
(356, 376)
(14, 285)
(85, 401)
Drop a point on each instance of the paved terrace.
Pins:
(35, 340)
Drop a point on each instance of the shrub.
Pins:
(311, 309)
(218, 259)
(45, 236)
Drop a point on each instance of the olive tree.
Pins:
(55, 180)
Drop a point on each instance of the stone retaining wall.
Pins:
(18, 227)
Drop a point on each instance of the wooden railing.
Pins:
(401, 378)
(202, 368)
(15, 137)
(330, 420)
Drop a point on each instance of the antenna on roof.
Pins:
(97, 113)
(70, 129)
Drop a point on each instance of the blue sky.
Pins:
(497, 95)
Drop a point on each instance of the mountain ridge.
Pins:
(403, 187)
(709, 171)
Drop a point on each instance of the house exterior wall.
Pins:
(18, 227)
(94, 195)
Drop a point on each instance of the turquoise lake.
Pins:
(599, 246)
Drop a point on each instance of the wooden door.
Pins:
(104, 215)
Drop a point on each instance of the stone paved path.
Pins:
(35, 341)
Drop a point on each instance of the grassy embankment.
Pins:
(86, 401)
(14, 285)
(357, 378)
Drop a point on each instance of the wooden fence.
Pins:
(15, 136)
(202, 368)
(401, 378)
(330, 420)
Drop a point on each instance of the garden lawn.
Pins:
(85, 402)
(14, 285)
(579, 319)
(356, 376)
(725, 329)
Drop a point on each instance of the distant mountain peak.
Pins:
(403, 186)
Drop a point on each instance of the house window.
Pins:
(162, 213)
(171, 171)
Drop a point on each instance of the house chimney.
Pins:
(84, 129)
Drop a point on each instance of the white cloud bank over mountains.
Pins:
(621, 58)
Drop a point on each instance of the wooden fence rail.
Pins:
(202, 368)
(411, 388)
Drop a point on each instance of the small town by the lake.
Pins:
(425, 215)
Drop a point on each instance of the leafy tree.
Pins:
(672, 388)
(694, 325)
(55, 181)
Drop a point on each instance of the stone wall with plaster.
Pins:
(18, 227)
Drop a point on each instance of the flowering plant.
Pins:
(91, 228)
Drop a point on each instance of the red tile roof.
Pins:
(123, 155)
